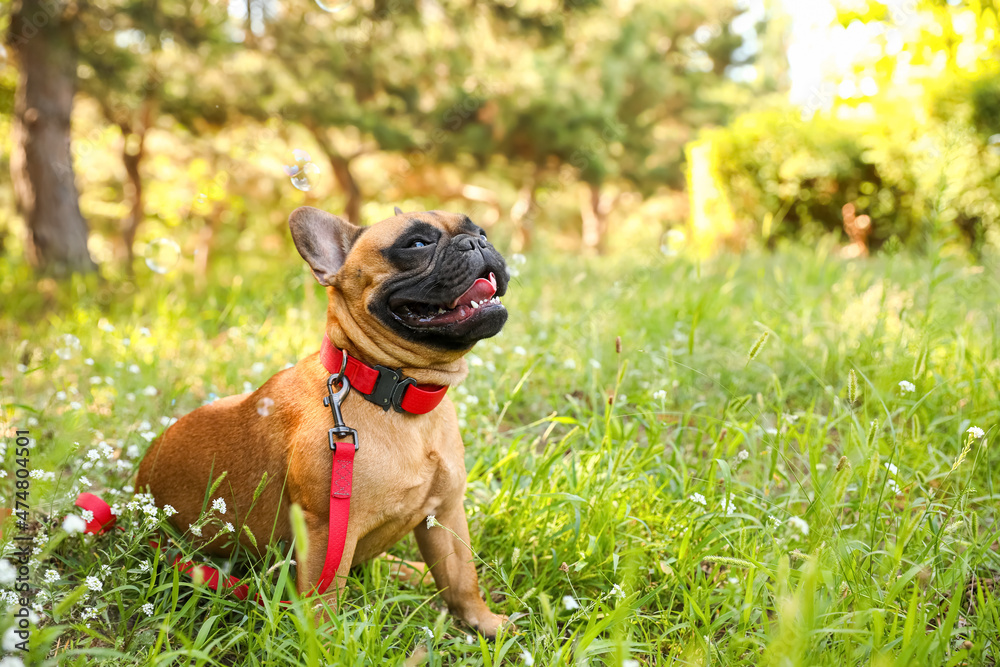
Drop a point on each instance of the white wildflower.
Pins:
(799, 525)
(526, 657)
(87, 515)
(148, 609)
(149, 391)
(906, 387)
(742, 455)
(728, 506)
(659, 395)
(8, 573)
(219, 505)
(432, 521)
(570, 603)
(430, 633)
(195, 530)
(10, 640)
(73, 524)
(144, 566)
(51, 576)
(891, 468)
(618, 591)
(775, 522)
(229, 527)
(699, 499)
(169, 510)
(94, 584)
(976, 432)
(84, 481)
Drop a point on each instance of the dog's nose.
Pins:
(465, 243)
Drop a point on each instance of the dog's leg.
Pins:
(454, 573)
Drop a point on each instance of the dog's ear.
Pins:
(397, 210)
(323, 240)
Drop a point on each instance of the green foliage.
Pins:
(985, 101)
(653, 474)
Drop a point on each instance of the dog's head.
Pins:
(430, 280)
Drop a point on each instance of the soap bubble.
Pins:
(672, 242)
(264, 406)
(301, 179)
(300, 171)
(162, 255)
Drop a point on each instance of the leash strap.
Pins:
(341, 483)
(385, 387)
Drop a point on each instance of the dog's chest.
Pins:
(409, 477)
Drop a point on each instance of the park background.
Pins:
(743, 408)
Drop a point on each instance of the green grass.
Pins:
(583, 462)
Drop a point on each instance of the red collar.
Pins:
(385, 387)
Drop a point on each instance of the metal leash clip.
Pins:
(340, 430)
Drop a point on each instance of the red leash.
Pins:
(383, 386)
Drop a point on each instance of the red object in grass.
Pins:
(103, 519)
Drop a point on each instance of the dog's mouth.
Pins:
(480, 298)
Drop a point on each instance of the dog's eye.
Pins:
(417, 244)
(482, 235)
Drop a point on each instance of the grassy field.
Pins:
(675, 503)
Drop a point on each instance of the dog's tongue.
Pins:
(480, 291)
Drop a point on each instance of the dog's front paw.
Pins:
(488, 624)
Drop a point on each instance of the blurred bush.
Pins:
(785, 177)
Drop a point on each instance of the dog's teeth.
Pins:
(475, 305)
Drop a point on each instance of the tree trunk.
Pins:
(594, 208)
(342, 172)
(522, 216)
(133, 150)
(41, 162)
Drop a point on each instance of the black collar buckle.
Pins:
(389, 389)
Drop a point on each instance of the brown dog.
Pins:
(409, 293)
